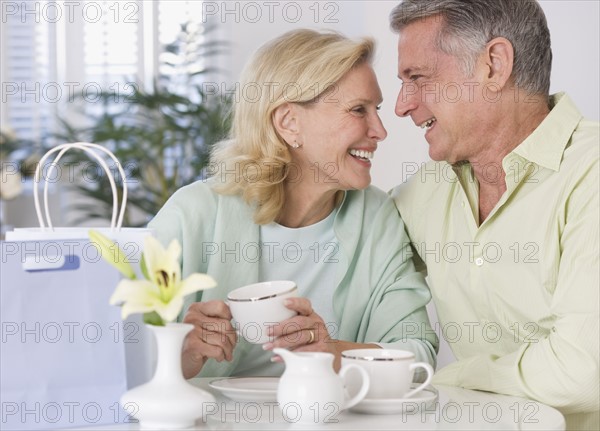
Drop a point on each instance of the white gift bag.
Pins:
(66, 355)
(46, 230)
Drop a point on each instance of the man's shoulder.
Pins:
(431, 178)
(422, 196)
(582, 154)
(586, 138)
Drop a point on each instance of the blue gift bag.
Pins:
(63, 346)
(66, 356)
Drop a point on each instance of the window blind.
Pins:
(29, 85)
(109, 45)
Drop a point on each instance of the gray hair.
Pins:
(470, 24)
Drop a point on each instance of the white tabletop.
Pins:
(454, 409)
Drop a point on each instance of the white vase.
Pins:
(168, 401)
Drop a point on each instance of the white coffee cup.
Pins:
(257, 306)
(390, 372)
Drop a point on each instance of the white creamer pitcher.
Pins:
(310, 391)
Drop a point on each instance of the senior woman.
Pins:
(289, 198)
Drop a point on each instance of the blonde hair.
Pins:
(297, 67)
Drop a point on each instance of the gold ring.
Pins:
(312, 336)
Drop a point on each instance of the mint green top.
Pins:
(517, 294)
(293, 254)
(378, 296)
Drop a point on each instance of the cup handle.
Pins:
(427, 381)
(364, 388)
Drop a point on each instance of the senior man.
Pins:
(505, 218)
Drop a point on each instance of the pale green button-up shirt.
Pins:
(517, 296)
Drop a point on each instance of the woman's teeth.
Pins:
(427, 124)
(367, 155)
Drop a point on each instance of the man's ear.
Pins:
(500, 57)
(285, 122)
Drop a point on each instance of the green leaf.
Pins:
(144, 268)
(112, 253)
(166, 130)
(153, 318)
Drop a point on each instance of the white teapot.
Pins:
(310, 391)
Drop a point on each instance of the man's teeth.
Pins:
(427, 124)
(362, 154)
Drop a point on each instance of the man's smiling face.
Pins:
(437, 94)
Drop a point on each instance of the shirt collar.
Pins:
(546, 145)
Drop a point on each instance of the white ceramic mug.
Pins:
(257, 306)
(390, 372)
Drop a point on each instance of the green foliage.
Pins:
(24, 154)
(153, 318)
(161, 137)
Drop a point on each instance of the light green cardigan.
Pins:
(379, 296)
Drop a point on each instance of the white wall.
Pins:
(574, 26)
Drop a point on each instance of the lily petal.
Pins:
(131, 308)
(162, 265)
(138, 291)
(172, 260)
(170, 311)
(173, 251)
(163, 290)
(155, 254)
(195, 282)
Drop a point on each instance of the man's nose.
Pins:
(407, 99)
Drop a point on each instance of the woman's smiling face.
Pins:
(339, 132)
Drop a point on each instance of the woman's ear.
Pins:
(285, 122)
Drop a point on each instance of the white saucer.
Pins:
(247, 388)
(390, 406)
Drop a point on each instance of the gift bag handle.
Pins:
(89, 149)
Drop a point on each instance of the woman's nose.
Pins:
(378, 131)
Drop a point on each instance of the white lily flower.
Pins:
(164, 290)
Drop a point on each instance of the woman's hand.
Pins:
(307, 332)
(213, 336)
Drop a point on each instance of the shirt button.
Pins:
(462, 204)
(479, 261)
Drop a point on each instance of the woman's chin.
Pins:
(361, 184)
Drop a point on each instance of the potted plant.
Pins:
(162, 137)
(18, 158)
